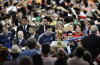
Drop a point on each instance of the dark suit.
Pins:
(22, 43)
(91, 43)
(20, 28)
(41, 29)
(36, 36)
(73, 47)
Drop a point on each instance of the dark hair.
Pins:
(91, 22)
(61, 62)
(31, 43)
(37, 59)
(82, 25)
(75, 26)
(68, 19)
(34, 28)
(35, 14)
(48, 27)
(69, 32)
(98, 19)
(45, 48)
(79, 52)
(87, 56)
(26, 61)
(15, 55)
(24, 17)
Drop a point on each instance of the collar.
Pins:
(33, 35)
(21, 39)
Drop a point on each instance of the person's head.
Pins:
(61, 26)
(93, 29)
(32, 30)
(26, 61)
(70, 34)
(90, 23)
(78, 28)
(45, 21)
(15, 51)
(79, 52)
(48, 30)
(20, 35)
(70, 28)
(37, 59)
(5, 30)
(45, 49)
(24, 21)
(31, 43)
(35, 14)
(87, 56)
(4, 53)
(61, 62)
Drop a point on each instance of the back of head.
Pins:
(37, 59)
(45, 48)
(26, 61)
(79, 52)
(31, 43)
(61, 62)
(87, 56)
(93, 29)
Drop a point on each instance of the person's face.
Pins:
(20, 36)
(70, 35)
(48, 31)
(45, 22)
(31, 31)
(70, 27)
(24, 22)
(60, 27)
(5, 31)
(78, 29)
(89, 26)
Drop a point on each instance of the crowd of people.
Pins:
(28, 27)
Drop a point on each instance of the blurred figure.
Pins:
(31, 51)
(91, 42)
(26, 61)
(37, 59)
(87, 57)
(15, 51)
(78, 59)
(3, 55)
(61, 62)
(47, 59)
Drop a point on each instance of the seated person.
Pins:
(48, 36)
(21, 42)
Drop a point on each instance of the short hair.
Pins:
(79, 52)
(69, 32)
(93, 29)
(87, 56)
(34, 28)
(45, 48)
(26, 61)
(24, 17)
(35, 14)
(48, 27)
(31, 43)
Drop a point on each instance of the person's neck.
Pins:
(32, 33)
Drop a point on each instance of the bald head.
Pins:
(93, 29)
(20, 35)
